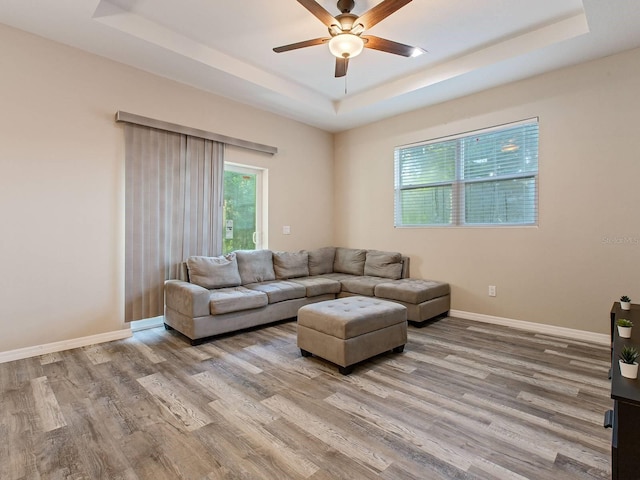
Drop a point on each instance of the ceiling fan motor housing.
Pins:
(345, 6)
(346, 21)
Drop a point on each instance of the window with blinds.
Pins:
(486, 177)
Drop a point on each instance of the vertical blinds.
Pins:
(173, 209)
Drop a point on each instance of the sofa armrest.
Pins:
(405, 267)
(187, 298)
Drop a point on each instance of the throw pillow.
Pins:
(290, 264)
(349, 260)
(214, 272)
(321, 260)
(383, 264)
(255, 266)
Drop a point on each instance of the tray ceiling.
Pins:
(226, 47)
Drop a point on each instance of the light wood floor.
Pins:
(465, 400)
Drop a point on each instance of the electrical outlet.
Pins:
(286, 230)
(492, 290)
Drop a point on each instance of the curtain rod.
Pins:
(194, 132)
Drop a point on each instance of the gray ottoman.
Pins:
(349, 330)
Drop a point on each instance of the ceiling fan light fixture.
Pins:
(346, 45)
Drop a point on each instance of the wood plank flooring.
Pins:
(464, 401)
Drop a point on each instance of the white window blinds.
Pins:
(486, 177)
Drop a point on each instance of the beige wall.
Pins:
(62, 189)
(564, 272)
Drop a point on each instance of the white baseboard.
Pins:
(600, 338)
(147, 323)
(54, 347)
(21, 353)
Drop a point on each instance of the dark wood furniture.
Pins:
(625, 416)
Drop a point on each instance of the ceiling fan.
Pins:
(346, 29)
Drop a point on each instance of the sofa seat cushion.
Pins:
(411, 290)
(235, 299)
(317, 286)
(338, 277)
(279, 290)
(362, 285)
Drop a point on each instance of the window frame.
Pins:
(458, 183)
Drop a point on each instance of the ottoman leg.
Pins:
(304, 353)
(345, 370)
(399, 349)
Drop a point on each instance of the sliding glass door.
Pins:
(242, 211)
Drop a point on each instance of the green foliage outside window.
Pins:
(240, 207)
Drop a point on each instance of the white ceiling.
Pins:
(226, 47)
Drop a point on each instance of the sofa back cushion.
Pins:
(255, 266)
(214, 272)
(349, 260)
(321, 260)
(291, 264)
(383, 264)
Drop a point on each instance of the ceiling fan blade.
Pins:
(306, 43)
(319, 12)
(341, 67)
(390, 46)
(380, 12)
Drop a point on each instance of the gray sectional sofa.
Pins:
(248, 288)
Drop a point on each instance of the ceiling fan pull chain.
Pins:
(345, 84)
